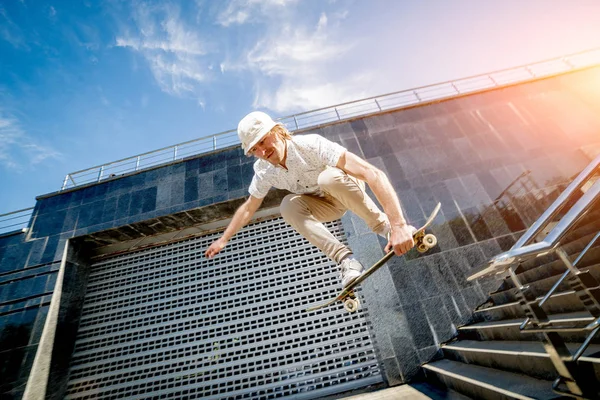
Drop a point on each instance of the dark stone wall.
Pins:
(495, 161)
(471, 154)
(29, 262)
(145, 195)
(27, 279)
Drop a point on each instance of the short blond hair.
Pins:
(281, 131)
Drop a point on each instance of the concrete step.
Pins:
(412, 391)
(508, 329)
(529, 358)
(540, 287)
(558, 303)
(435, 392)
(487, 383)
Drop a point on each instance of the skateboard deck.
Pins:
(423, 242)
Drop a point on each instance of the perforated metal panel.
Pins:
(167, 323)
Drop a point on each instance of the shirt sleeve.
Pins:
(259, 187)
(327, 151)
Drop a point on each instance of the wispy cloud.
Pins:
(240, 12)
(292, 95)
(293, 62)
(18, 150)
(292, 49)
(10, 32)
(298, 67)
(295, 59)
(173, 50)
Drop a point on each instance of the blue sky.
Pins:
(88, 82)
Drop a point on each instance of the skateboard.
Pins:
(423, 242)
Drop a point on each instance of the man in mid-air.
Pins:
(325, 180)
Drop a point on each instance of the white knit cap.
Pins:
(254, 127)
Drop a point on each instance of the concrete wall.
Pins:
(468, 153)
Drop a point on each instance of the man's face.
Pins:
(270, 148)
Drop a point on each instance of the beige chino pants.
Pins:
(306, 213)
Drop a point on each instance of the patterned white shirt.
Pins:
(307, 157)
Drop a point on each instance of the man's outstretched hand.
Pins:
(215, 248)
(401, 239)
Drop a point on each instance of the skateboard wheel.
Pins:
(429, 240)
(351, 305)
(421, 248)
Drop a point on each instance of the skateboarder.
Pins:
(325, 180)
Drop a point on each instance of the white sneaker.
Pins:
(350, 269)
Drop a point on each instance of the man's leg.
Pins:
(306, 214)
(350, 192)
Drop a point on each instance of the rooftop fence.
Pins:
(341, 112)
(15, 220)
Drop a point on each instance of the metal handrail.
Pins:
(562, 278)
(566, 273)
(15, 220)
(341, 112)
(520, 251)
(584, 284)
(503, 261)
(555, 346)
(555, 207)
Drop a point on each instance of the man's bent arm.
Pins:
(240, 219)
(385, 193)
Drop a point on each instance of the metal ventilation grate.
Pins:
(167, 323)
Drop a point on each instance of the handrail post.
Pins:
(493, 80)
(417, 96)
(174, 153)
(137, 163)
(214, 142)
(569, 63)
(100, 173)
(64, 185)
(530, 71)
(337, 113)
(296, 122)
(378, 106)
(455, 88)
(565, 259)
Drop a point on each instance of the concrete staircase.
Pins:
(491, 358)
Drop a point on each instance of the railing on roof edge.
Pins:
(15, 220)
(340, 112)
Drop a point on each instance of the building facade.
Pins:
(107, 294)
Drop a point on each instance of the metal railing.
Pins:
(341, 112)
(585, 189)
(525, 247)
(15, 220)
